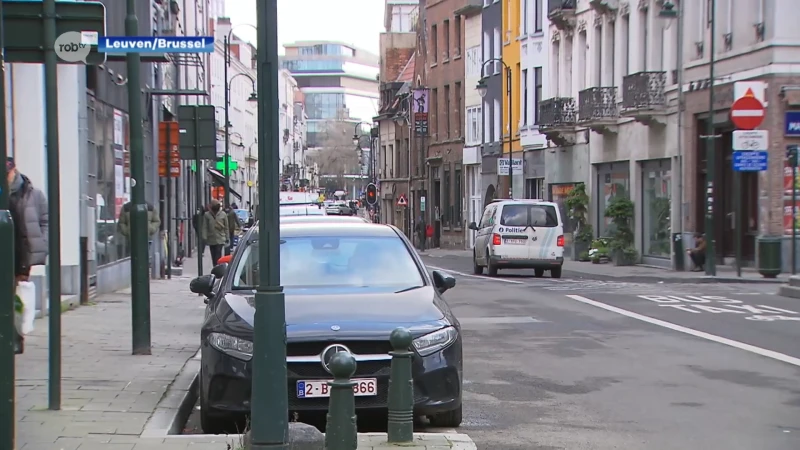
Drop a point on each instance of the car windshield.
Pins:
(522, 215)
(322, 261)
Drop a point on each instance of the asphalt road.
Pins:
(583, 364)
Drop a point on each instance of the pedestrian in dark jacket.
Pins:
(197, 220)
(22, 244)
(421, 235)
(124, 222)
(214, 230)
(34, 216)
(233, 226)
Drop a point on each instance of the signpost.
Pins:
(792, 155)
(749, 152)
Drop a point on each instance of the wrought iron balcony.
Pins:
(562, 13)
(643, 93)
(598, 104)
(557, 112)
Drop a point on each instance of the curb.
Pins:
(68, 301)
(676, 279)
(176, 406)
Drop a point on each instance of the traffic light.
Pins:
(372, 194)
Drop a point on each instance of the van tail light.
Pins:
(560, 241)
(496, 239)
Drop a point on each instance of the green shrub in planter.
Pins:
(584, 256)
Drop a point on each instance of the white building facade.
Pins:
(242, 112)
(473, 126)
(607, 113)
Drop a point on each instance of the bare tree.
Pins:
(336, 155)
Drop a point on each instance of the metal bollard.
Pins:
(401, 389)
(341, 431)
(8, 331)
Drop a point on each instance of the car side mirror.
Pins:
(203, 285)
(443, 281)
(473, 226)
(219, 270)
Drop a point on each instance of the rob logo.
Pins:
(71, 47)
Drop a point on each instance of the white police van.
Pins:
(519, 234)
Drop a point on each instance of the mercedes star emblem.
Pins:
(335, 327)
(327, 355)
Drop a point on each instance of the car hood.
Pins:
(355, 311)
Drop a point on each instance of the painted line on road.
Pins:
(701, 334)
(480, 277)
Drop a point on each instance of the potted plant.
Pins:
(598, 252)
(578, 210)
(620, 211)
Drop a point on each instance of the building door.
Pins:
(436, 205)
(475, 205)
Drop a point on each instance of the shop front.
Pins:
(613, 180)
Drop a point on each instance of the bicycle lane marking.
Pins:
(690, 331)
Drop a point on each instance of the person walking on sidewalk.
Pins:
(197, 220)
(124, 223)
(214, 230)
(28, 208)
(233, 227)
(421, 233)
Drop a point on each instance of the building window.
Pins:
(523, 17)
(447, 208)
(534, 188)
(473, 135)
(524, 103)
(457, 123)
(447, 111)
(645, 30)
(497, 134)
(433, 113)
(457, 36)
(509, 21)
(626, 46)
(446, 46)
(486, 3)
(537, 16)
(613, 180)
(487, 123)
(497, 50)
(458, 213)
(656, 190)
(487, 55)
(537, 93)
(434, 45)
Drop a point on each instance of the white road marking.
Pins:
(703, 335)
(480, 277)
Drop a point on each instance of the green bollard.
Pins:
(341, 431)
(401, 389)
(7, 332)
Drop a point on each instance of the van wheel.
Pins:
(539, 273)
(492, 269)
(555, 273)
(477, 269)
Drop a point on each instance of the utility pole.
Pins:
(269, 420)
(226, 52)
(8, 419)
(140, 280)
(53, 204)
(711, 256)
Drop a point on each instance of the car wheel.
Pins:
(491, 268)
(477, 269)
(555, 273)
(450, 419)
(213, 423)
(538, 273)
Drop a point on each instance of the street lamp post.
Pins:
(269, 402)
(482, 88)
(253, 98)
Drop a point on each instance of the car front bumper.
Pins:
(226, 383)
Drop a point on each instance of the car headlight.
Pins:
(433, 342)
(233, 346)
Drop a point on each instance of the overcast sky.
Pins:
(357, 22)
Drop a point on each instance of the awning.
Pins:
(219, 180)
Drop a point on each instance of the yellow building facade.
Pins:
(512, 59)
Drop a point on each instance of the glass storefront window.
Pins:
(611, 185)
(111, 160)
(656, 189)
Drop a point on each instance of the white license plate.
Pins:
(515, 241)
(364, 387)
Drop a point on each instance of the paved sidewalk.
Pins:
(639, 272)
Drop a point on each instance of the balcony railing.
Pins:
(557, 112)
(597, 103)
(644, 91)
(555, 6)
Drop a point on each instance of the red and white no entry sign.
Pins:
(747, 113)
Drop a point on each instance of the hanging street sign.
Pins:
(750, 140)
(747, 113)
(750, 161)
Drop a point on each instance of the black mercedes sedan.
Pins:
(347, 286)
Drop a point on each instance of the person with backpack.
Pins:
(214, 230)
